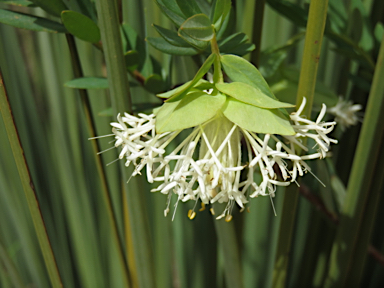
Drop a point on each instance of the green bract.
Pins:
(250, 95)
(256, 119)
(194, 109)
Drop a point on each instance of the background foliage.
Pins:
(86, 205)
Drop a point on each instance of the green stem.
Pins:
(78, 73)
(121, 102)
(28, 187)
(257, 30)
(360, 180)
(217, 73)
(314, 35)
(226, 235)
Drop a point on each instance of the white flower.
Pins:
(207, 164)
(346, 113)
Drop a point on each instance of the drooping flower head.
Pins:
(225, 120)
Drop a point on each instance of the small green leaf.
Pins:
(229, 43)
(221, 11)
(198, 44)
(202, 71)
(189, 8)
(240, 70)
(132, 60)
(172, 11)
(164, 46)
(154, 83)
(30, 22)
(81, 26)
(88, 83)
(198, 27)
(257, 119)
(171, 36)
(53, 7)
(194, 109)
(250, 95)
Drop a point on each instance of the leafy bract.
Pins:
(250, 95)
(240, 70)
(30, 22)
(201, 85)
(194, 109)
(164, 46)
(255, 119)
(81, 26)
(198, 27)
(202, 71)
(88, 83)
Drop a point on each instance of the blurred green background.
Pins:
(92, 234)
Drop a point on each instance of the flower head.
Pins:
(346, 113)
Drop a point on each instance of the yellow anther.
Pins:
(191, 214)
(228, 218)
(212, 211)
(202, 207)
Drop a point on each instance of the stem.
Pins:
(121, 102)
(217, 73)
(78, 73)
(314, 35)
(257, 31)
(358, 195)
(28, 187)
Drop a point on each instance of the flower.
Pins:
(207, 165)
(346, 113)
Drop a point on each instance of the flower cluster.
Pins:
(207, 164)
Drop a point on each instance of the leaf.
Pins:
(30, 22)
(171, 36)
(88, 83)
(202, 71)
(172, 11)
(81, 26)
(189, 8)
(240, 70)
(164, 46)
(222, 8)
(257, 119)
(198, 27)
(199, 45)
(292, 11)
(132, 60)
(53, 7)
(154, 83)
(194, 109)
(201, 85)
(231, 42)
(250, 95)
(20, 3)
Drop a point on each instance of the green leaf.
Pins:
(171, 36)
(81, 26)
(53, 7)
(189, 8)
(154, 83)
(88, 83)
(250, 95)
(231, 42)
(30, 22)
(164, 46)
(222, 8)
(194, 109)
(172, 11)
(200, 85)
(240, 70)
(20, 3)
(202, 71)
(257, 119)
(198, 44)
(132, 60)
(198, 27)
